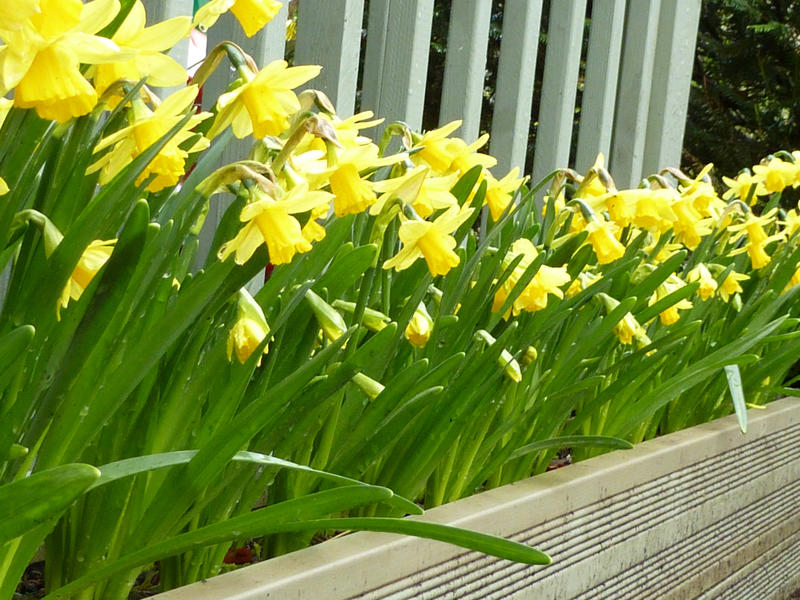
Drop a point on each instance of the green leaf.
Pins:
(153, 462)
(27, 503)
(259, 523)
(737, 393)
(572, 441)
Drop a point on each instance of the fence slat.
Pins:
(633, 98)
(600, 87)
(516, 74)
(329, 34)
(669, 97)
(161, 10)
(465, 66)
(559, 86)
(398, 39)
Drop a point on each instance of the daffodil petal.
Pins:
(164, 35)
(306, 201)
(162, 70)
(132, 25)
(97, 14)
(93, 49)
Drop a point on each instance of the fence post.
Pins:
(559, 87)
(600, 87)
(396, 61)
(329, 34)
(669, 96)
(633, 96)
(513, 92)
(465, 66)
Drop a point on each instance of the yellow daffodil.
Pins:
(250, 329)
(145, 44)
(499, 191)
(670, 314)
(740, 187)
(43, 54)
(430, 240)
(312, 230)
(3, 187)
(348, 131)
(418, 188)
(419, 328)
(14, 13)
(148, 127)
(547, 280)
(708, 285)
(689, 225)
(263, 103)
(435, 148)
(653, 210)
(91, 261)
(620, 205)
(251, 14)
(628, 328)
(776, 174)
(466, 156)
(731, 286)
(605, 244)
(353, 194)
(701, 193)
(269, 221)
(757, 238)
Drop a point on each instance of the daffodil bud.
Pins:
(419, 328)
(250, 329)
(373, 320)
(530, 356)
(329, 319)
(628, 328)
(368, 385)
(506, 360)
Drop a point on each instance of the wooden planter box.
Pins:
(701, 513)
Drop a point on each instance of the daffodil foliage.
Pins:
(367, 327)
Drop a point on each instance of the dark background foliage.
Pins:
(745, 97)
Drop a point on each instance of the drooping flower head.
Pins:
(708, 285)
(269, 221)
(601, 236)
(430, 240)
(146, 128)
(262, 104)
(499, 191)
(43, 54)
(91, 261)
(252, 15)
(547, 280)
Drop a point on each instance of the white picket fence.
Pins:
(635, 80)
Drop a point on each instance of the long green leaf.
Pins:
(572, 441)
(27, 503)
